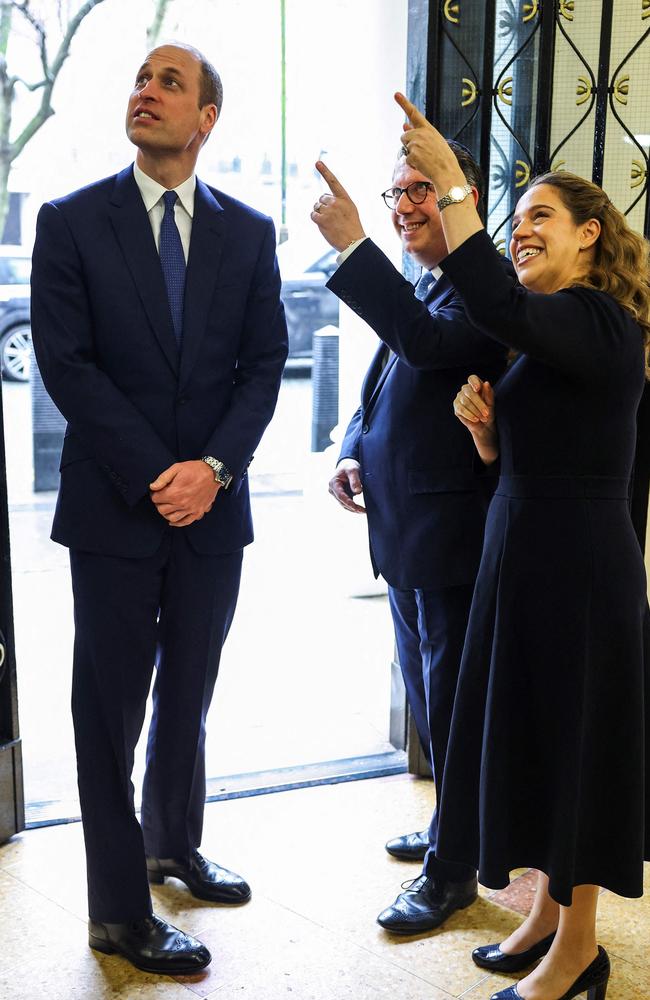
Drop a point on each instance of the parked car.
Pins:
(309, 305)
(15, 329)
(305, 267)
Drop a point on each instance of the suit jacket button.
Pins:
(365, 429)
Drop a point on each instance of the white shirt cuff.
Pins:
(348, 250)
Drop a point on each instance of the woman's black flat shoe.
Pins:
(593, 982)
(490, 956)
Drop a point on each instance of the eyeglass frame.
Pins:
(390, 191)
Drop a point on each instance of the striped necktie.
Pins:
(172, 260)
(424, 285)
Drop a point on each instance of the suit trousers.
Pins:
(430, 628)
(173, 611)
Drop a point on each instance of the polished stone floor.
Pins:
(319, 874)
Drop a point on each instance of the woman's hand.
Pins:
(474, 407)
(427, 150)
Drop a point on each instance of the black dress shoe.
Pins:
(593, 982)
(151, 945)
(426, 904)
(410, 847)
(490, 956)
(203, 878)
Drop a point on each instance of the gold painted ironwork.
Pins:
(583, 90)
(504, 90)
(566, 8)
(469, 92)
(621, 89)
(638, 173)
(557, 165)
(501, 246)
(522, 173)
(451, 11)
(531, 9)
(645, 9)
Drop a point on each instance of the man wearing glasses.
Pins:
(405, 449)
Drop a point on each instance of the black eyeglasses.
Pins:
(415, 192)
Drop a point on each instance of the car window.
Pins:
(14, 270)
(326, 263)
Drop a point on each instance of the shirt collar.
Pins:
(152, 191)
(436, 272)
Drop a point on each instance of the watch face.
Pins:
(457, 193)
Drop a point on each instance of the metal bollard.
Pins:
(325, 387)
(47, 435)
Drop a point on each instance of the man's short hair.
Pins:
(210, 86)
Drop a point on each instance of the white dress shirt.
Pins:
(152, 193)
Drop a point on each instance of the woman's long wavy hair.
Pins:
(621, 264)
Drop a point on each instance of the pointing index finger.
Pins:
(415, 117)
(332, 182)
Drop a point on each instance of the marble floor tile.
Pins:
(320, 875)
(79, 974)
(319, 965)
(519, 894)
(31, 925)
(624, 928)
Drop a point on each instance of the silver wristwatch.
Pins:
(221, 473)
(454, 196)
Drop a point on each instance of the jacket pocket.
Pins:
(74, 450)
(441, 481)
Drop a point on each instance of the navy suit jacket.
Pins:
(424, 492)
(134, 404)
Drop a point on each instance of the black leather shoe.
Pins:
(426, 904)
(593, 982)
(151, 945)
(410, 847)
(203, 878)
(490, 956)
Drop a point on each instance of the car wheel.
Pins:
(16, 353)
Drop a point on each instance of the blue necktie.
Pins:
(172, 260)
(424, 285)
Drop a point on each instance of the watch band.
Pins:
(454, 196)
(221, 473)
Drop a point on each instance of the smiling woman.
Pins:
(551, 704)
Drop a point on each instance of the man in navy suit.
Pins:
(160, 336)
(424, 503)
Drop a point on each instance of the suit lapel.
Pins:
(133, 231)
(438, 293)
(206, 246)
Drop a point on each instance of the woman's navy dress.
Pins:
(549, 756)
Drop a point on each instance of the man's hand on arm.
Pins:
(474, 407)
(346, 483)
(184, 492)
(335, 213)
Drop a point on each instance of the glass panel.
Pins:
(305, 673)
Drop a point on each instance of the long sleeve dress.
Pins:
(549, 755)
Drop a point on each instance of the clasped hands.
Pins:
(184, 492)
(474, 407)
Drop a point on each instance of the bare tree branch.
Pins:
(51, 73)
(154, 29)
(10, 150)
(38, 27)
